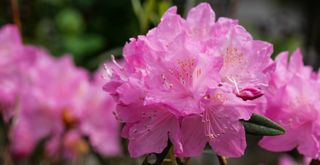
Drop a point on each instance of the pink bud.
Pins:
(249, 93)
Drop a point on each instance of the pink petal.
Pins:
(151, 134)
(296, 61)
(130, 93)
(284, 142)
(309, 145)
(221, 123)
(201, 17)
(230, 139)
(10, 34)
(192, 136)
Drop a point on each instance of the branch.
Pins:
(222, 160)
(16, 14)
(159, 157)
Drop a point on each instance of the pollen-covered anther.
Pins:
(218, 98)
(165, 82)
(184, 70)
(233, 56)
(116, 116)
(198, 72)
(69, 119)
(206, 97)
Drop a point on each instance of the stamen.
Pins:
(209, 131)
(235, 84)
(198, 72)
(116, 63)
(165, 83)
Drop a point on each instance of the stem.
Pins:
(99, 157)
(186, 160)
(159, 157)
(16, 13)
(233, 8)
(182, 161)
(4, 142)
(222, 160)
(173, 157)
(315, 162)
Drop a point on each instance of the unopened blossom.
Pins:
(188, 80)
(293, 102)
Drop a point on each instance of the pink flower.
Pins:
(49, 85)
(61, 104)
(149, 128)
(50, 98)
(189, 77)
(14, 58)
(98, 122)
(218, 125)
(293, 102)
(285, 70)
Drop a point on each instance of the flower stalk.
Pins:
(158, 157)
(222, 160)
(16, 14)
(173, 157)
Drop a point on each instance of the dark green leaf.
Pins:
(260, 125)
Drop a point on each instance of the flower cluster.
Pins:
(293, 101)
(191, 81)
(12, 67)
(51, 99)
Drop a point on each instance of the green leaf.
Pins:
(39, 150)
(70, 22)
(260, 125)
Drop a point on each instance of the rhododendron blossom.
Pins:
(40, 107)
(188, 80)
(52, 100)
(97, 121)
(293, 101)
(63, 106)
(14, 59)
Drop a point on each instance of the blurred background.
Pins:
(92, 30)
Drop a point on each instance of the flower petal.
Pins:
(192, 136)
(151, 133)
(201, 17)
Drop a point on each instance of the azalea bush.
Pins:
(189, 85)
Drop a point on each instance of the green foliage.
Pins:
(150, 12)
(70, 22)
(260, 125)
(84, 28)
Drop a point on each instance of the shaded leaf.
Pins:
(260, 125)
